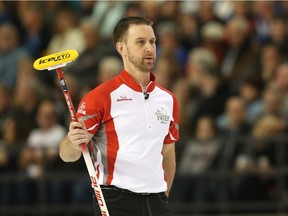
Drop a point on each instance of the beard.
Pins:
(141, 64)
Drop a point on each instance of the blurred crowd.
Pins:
(226, 62)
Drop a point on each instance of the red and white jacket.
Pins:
(129, 132)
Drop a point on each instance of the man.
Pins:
(133, 125)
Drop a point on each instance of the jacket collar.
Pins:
(127, 79)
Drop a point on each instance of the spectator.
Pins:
(50, 11)
(169, 10)
(26, 71)
(207, 13)
(133, 9)
(198, 58)
(268, 126)
(5, 105)
(256, 179)
(49, 132)
(263, 12)
(28, 94)
(212, 34)
(212, 88)
(243, 9)
(167, 70)
(15, 130)
(183, 92)
(182, 89)
(272, 103)
(201, 152)
(106, 14)
(85, 69)
(36, 33)
(151, 10)
(41, 152)
(5, 15)
(239, 62)
(108, 68)
(250, 91)
(82, 8)
(234, 130)
(280, 81)
(278, 35)
(270, 58)
(66, 33)
(169, 43)
(224, 9)
(189, 35)
(200, 156)
(10, 54)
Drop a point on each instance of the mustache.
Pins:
(149, 56)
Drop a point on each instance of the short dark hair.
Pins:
(123, 25)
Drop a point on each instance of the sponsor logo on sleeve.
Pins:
(82, 108)
(123, 98)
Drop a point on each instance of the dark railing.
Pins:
(69, 193)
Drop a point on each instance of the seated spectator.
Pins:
(109, 67)
(44, 140)
(243, 9)
(183, 92)
(167, 70)
(28, 94)
(106, 14)
(212, 34)
(206, 13)
(198, 58)
(270, 58)
(255, 167)
(15, 130)
(267, 128)
(5, 15)
(213, 94)
(169, 42)
(280, 81)
(200, 156)
(36, 32)
(201, 152)
(240, 60)
(250, 91)
(279, 35)
(67, 34)
(10, 54)
(41, 153)
(272, 103)
(263, 12)
(85, 69)
(5, 104)
(234, 128)
(189, 35)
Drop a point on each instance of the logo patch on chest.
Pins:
(162, 116)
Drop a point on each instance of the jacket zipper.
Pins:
(146, 105)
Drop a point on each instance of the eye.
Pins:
(140, 42)
(152, 42)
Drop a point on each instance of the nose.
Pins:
(148, 47)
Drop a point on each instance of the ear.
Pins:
(120, 48)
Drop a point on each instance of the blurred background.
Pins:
(226, 61)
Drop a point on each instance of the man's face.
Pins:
(140, 47)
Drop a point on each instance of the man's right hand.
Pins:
(77, 134)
